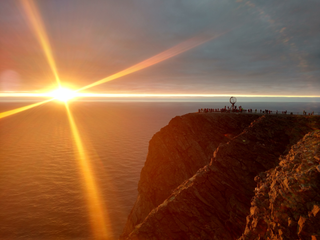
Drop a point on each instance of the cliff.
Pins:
(213, 198)
(176, 153)
(286, 204)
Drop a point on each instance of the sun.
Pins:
(63, 94)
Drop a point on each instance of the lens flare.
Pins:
(17, 110)
(171, 52)
(63, 94)
(35, 20)
(95, 204)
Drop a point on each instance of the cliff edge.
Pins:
(286, 204)
(212, 202)
(176, 153)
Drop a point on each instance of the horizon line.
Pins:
(143, 95)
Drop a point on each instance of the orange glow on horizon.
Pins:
(95, 204)
(127, 95)
(35, 20)
(97, 212)
(191, 95)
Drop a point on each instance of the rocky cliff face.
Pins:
(286, 204)
(214, 202)
(177, 152)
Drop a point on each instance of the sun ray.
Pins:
(97, 214)
(171, 52)
(17, 110)
(35, 20)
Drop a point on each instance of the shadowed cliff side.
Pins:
(286, 204)
(214, 203)
(176, 153)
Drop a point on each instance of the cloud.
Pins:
(270, 46)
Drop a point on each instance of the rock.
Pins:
(214, 203)
(177, 152)
(289, 209)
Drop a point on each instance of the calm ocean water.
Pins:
(41, 187)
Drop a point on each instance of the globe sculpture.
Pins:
(233, 100)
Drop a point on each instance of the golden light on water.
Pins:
(95, 204)
(98, 217)
(97, 212)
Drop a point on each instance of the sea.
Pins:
(43, 193)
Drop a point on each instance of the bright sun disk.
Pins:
(63, 94)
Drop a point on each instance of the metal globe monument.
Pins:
(233, 101)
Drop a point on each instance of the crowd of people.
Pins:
(240, 109)
(305, 113)
(206, 110)
(225, 109)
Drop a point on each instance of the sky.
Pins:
(254, 47)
